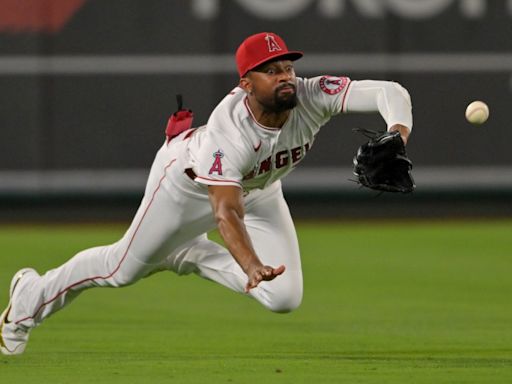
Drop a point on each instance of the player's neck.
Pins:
(265, 117)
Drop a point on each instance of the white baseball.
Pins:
(477, 112)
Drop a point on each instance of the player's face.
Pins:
(273, 85)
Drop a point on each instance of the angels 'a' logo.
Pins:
(272, 43)
(333, 85)
(217, 164)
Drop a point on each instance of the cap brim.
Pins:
(290, 55)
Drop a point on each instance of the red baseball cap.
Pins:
(260, 48)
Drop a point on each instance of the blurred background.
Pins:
(87, 86)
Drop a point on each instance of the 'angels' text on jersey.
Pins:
(253, 155)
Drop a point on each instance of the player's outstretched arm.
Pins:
(388, 98)
(228, 209)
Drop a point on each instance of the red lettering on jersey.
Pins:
(281, 159)
(272, 43)
(296, 154)
(217, 164)
(265, 165)
(333, 85)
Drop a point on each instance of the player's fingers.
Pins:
(267, 272)
(251, 284)
(274, 272)
(253, 281)
(279, 270)
(270, 273)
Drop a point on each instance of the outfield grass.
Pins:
(384, 302)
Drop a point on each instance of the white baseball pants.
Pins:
(168, 232)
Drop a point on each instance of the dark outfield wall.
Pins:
(57, 112)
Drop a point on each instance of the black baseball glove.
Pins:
(382, 163)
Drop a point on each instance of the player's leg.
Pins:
(274, 238)
(159, 226)
(273, 235)
(209, 260)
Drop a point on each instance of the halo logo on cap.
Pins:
(272, 43)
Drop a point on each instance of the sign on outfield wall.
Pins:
(90, 84)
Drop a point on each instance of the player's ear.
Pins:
(245, 84)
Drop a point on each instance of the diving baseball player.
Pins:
(225, 174)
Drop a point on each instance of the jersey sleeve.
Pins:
(327, 93)
(220, 161)
(389, 98)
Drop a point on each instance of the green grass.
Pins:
(384, 302)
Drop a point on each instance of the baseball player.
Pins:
(225, 174)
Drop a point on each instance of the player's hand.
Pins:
(404, 132)
(262, 273)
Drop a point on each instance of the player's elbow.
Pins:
(405, 94)
(396, 91)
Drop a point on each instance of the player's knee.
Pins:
(286, 303)
(123, 278)
(285, 296)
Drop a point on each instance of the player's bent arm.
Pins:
(228, 209)
(388, 98)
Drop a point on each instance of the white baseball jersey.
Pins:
(234, 149)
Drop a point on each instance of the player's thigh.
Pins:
(166, 219)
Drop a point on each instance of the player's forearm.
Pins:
(233, 232)
(228, 210)
(388, 98)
